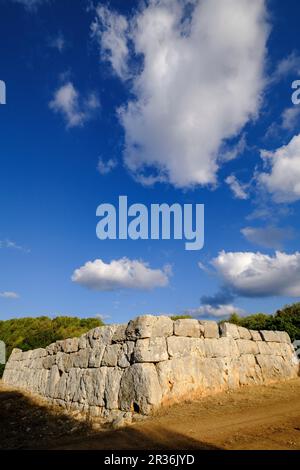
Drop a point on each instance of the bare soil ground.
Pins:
(250, 418)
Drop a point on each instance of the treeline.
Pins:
(31, 333)
(286, 319)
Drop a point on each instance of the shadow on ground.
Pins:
(28, 425)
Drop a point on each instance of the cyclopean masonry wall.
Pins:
(119, 371)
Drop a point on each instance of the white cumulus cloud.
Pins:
(283, 178)
(219, 311)
(120, 274)
(251, 274)
(201, 81)
(75, 110)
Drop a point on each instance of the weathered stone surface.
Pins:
(182, 346)
(188, 327)
(83, 342)
(244, 333)
(180, 376)
(81, 358)
(150, 350)
(112, 372)
(275, 368)
(64, 361)
(229, 330)
(119, 335)
(148, 326)
(255, 335)
(126, 354)
(211, 328)
(112, 388)
(140, 389)
(283, 337)
(270, 336)
(222, 347)
(247, 346)
(70, 345)
(111, 355)
(96, 354)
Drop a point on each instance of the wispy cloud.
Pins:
(31, 5)
(268, 237)
(105, 167)
(9, 295)
(75, 110)
(239, 190)
(13, 245)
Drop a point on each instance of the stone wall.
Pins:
(120, 371)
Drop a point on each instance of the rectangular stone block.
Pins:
(244, 333)
(255, 335)
(150, 350)
(229, 330)
(247, 346)
(188, 327)
(111, 355)
(221, 347)
(211, 329)
(270, 336)
(148, 326)
(179, 346)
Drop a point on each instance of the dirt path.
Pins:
(251, 418)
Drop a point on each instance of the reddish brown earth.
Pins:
(250, 418)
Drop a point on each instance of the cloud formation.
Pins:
(239, 190)
(283, 179)
(201, 81)
(249, 274)
(268, 237)
(30, 4)
(120, 274)
(9, 295)
(219, 311)
(105, 167)
(75, 110)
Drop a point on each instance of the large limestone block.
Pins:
(140, 389)
(70, 345)
(248, 370)
(216, 373)
(221, 347)
(283, 337)
(126, 354)
(112, 388)
(264, 348)
(180, 376)
(247, 346)
(111, 355)
(148, 326)
(150, 350)
(102, 335)
(255, 335)
(37, 353)
(49, 361)
(182, 346)
(81, 358)
(64, 361)
(229, 330)
(188, 327)
(92, 387)
(244, 333)
(270, 336)
(276, 368)
(83, 342)
(119, 335)
(96, 354)
(211, 328)
(53, 379)
(73, 384)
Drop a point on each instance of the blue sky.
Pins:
(104, 99)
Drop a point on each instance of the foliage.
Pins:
(30, 333)
(180, 317)
(287, 319)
